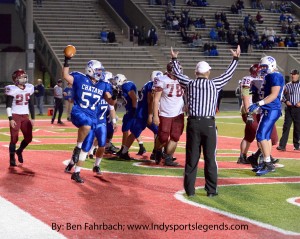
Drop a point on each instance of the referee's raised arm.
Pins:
(202, 95)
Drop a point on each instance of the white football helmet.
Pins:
(108, 76)
(155, 74)
(119, 79)
(267, 65)
(95, 69)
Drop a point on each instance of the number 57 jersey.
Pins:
(171, 101)
(87, 96)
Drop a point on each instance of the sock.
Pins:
(92, 149)
(79, 144)
(98, 161)
(124, 150)
(141, 144)
(267, 159)
(82, 155)
(77, 169)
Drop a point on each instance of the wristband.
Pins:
(114, 121)
(10, 118)
(66, 63)
(260, 103)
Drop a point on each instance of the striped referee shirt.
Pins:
(292, 92)
(202, 93)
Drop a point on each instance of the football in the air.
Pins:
(70, 51)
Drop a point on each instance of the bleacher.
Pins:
(79, 23)
(189, 55)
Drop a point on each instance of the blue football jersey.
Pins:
(103, 111)
(142, 107)
(87, 96)
(126, 88)
(273, 79)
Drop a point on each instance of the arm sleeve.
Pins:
(9, 100)
(31, 108)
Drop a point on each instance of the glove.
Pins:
(250, 119)
(115, 94)
(253, 107)
(66, 63)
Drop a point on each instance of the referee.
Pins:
(202, 95)
(292, 112)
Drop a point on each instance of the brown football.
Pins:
(70, 51)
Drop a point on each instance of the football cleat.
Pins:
(69, 168)
(20, 156)
(267, 167)
(169, 161)
(274, 160)
(243, 160)
(125, 156)
(76, 177)
(91, 156)
(158, 156)
(141, 151)
(96, 169)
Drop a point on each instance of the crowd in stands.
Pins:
(246, 34)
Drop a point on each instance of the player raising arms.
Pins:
(88, 90)
(18, 105)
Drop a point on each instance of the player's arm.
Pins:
(245, 93)
(150, 107)
(270, 98)
(113, 117)
(31, 108)
(156, 99)
(133, 98)
(66, 71)
(110, 99)
(9, 101)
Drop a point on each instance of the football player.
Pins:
(168, 114)
(144, 115)
(271, 111)
(18, 105)
(129, 94)
(252, 91)
(88, 91)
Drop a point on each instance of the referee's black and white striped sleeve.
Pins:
(221, 81)
(182, 79)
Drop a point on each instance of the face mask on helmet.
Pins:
(119, 80)
(20, 77)
(95, 70)
(254, 70)
(170, 67)
(267, 65)
(108, 76)
(155, 74)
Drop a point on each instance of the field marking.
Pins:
(293, 201)
(16, 223)
(179, 196)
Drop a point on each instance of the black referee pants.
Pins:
(292, 115)
(58, 107)
(201, 133)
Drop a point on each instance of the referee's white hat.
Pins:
(202, 67)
